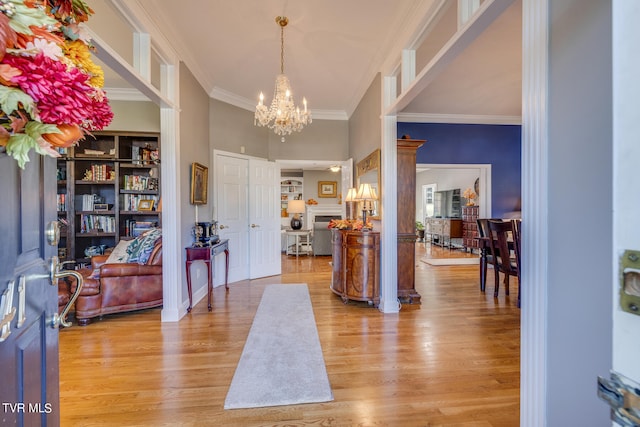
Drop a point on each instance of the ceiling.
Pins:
(333, 50)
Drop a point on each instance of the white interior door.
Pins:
(428, 195)
(264, 218)
(232, 214)
(626, 158)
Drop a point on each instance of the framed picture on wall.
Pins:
(199, 180)
(327, 188)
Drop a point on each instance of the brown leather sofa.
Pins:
(121, 287)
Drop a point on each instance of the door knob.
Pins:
(222, 227)
(255, 226)
(52, 233)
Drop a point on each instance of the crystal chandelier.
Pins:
(282, 116)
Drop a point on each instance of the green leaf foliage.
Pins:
(19, 146)
(26, 16)
(11, 98)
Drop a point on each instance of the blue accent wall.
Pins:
(498, 145)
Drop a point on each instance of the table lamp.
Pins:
(366, 193)
(296, 207)
(351, 200)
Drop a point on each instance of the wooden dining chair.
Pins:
(517, 226)
(486, 252)
(503, 262)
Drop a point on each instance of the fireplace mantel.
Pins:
(323, 209)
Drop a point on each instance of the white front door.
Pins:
(626, 200)
(264, 218)
(232, 214)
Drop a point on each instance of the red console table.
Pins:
(207, 254)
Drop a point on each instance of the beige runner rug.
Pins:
(282, 361)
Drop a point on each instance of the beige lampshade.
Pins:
(366, 192)
(295, 206)
(351, 195)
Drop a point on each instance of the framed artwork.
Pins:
(199, 180)
(327, 188)
(145, 205)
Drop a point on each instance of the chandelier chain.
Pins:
(281, 49)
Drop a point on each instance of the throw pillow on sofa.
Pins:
(141, 247)
(119, 253)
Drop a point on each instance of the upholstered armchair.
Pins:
(321, 242)
(113, 286)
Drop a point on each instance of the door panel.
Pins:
(29, 351)
(232, 215)
(626, 155)
(264, 232)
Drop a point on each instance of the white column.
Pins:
(389, 234)
(466, 9)
(408, 68)
(533, 346)
(172, 266)
(142, 55)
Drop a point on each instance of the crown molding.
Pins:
(250, 105)
(459, 118)
(125, 94)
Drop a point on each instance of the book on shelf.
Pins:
(87, 202)
(135, 228)
(97, 224)
(61, 202)
(140, 183)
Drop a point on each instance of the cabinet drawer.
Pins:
(363, 239)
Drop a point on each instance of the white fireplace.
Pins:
(325, 209)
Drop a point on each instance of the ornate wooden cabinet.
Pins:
(470, 227)
(356, 265)
(407, 148)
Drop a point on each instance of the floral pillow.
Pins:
(119, 253)
(141, 247)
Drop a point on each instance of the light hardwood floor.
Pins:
(454, 360)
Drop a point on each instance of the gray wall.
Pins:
(194, 147)
(579, 199)
(232, 127)
(365, 127)
(310, 184)
(321, 140)
(134, 116)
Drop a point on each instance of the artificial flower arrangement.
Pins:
(348, 224)
(50, 90)
(470, 195)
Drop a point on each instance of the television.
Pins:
(446, 204)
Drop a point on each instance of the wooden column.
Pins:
(407, 148)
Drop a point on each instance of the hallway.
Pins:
(454, 360)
